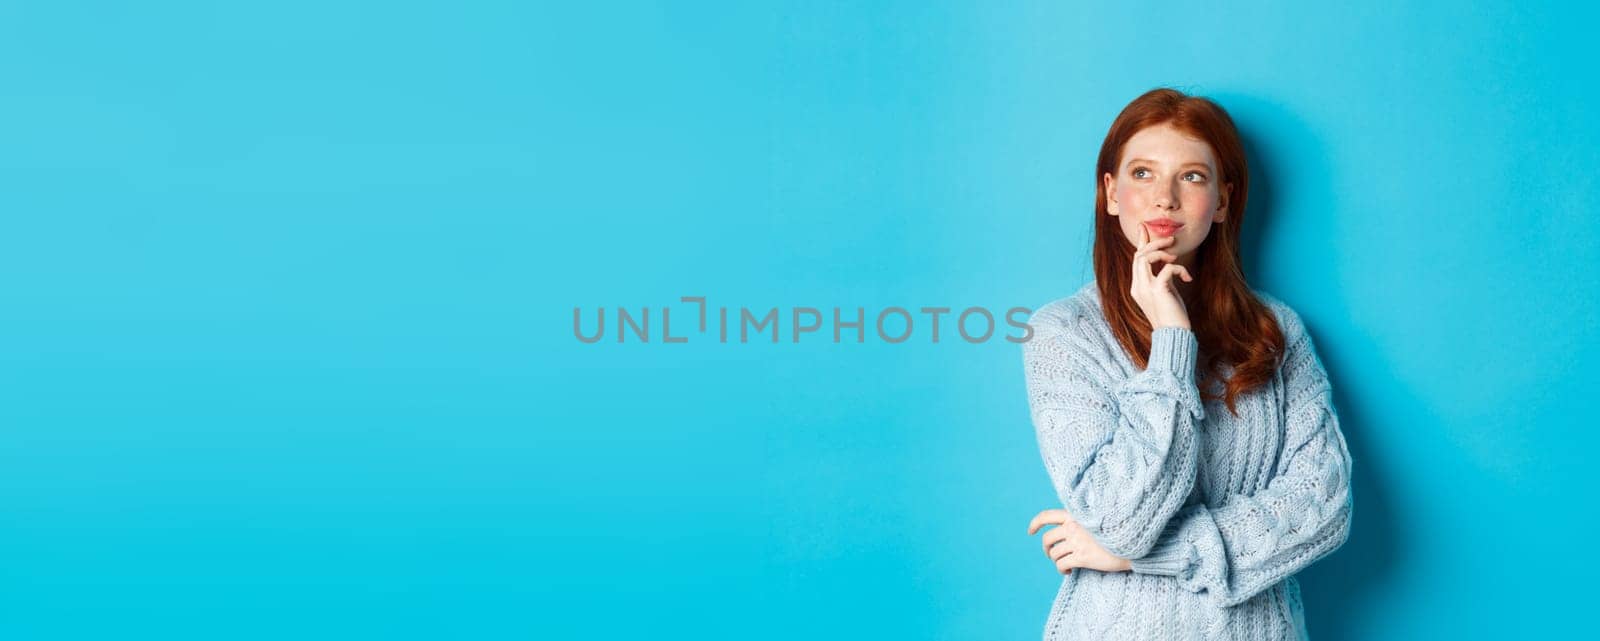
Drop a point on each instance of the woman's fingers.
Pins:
(1164, 276)
(1152, 255)
(1164, 279)
(1057, 550)
(1147, 243)
(1055, 541)
(1047, 517)
(1148, 252)
(1050, 541)
(1173, 269)
(1054, 537)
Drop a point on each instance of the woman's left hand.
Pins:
(1070, 546)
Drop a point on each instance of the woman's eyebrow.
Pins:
(1152, 162)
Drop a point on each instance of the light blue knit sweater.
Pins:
(1216, 512)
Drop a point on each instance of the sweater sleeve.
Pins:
(1247, 543)
(1121, 456)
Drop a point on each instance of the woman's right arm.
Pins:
(1122, 456)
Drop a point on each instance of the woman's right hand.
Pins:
(1155, 293)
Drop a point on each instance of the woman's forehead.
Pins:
(1166, 144)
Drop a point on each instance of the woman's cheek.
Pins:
(1128, 198)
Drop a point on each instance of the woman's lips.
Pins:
(1163, 228)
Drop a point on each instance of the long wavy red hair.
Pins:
(1233, 325)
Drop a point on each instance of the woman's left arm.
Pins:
(1250, 542)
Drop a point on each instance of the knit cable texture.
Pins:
(1216, 512)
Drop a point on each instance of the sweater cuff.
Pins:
(1174, 553)
(1174, 349)
(1167, 558)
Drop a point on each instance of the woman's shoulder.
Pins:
(1288, 320)
(1074, 328)
(1068, 312)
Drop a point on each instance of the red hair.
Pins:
(1232, 324)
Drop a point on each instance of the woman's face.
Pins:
(1166, 175)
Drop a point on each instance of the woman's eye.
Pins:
(1140, 172)
(1198, 177)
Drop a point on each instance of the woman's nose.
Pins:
(1167, 198)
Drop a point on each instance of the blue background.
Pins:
(288, 286)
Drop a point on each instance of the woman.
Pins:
(1185, 419)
